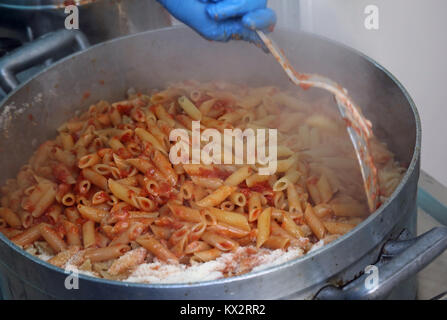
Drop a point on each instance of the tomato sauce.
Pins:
(124, 154)
(124, 109)
(126, 137)
(213, 173)
(60, 173)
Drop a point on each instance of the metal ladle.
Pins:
(358, 127)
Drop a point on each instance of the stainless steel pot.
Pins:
(150, 60)
(100, 20)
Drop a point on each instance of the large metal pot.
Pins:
(150, 60)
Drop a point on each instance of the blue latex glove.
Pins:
(222, 20)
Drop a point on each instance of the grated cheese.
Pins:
(243, 260)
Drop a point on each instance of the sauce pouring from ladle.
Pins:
(359, 128)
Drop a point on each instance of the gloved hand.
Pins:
(222, 20)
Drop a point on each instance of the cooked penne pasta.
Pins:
(324, 189)
(134, 230)
(95, 178)
(91, 213)
(348, 209)
(314, 222)
(207, 255)
(10, 217)
(254, 206)
(104, 197)
(146, 136)
(294, 200)
(205, 182)
(52, 238)
(238, 176)
(72, 233)
(156, 248)
(28, 236)
(196, 246)
(228, 230)
(338, 227)
(190, 109)
(88, 161)
(238, 198)
(88, 234)
(185, 213)
(263, 224)
(162, 114)
(48, 197)
(123, 192)
(64, 256)
(163, 164)
(217, 197)
(290, 226)
(107, 253)
(26, 218)
(232, 218)
(291, 177)
(277, 242)
(219, 242)
(255, 179)
(127, 261)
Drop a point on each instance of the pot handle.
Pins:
(36, 52)
(400, 259)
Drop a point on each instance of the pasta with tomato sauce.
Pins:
(103, 196)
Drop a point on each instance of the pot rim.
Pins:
(288, 264)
